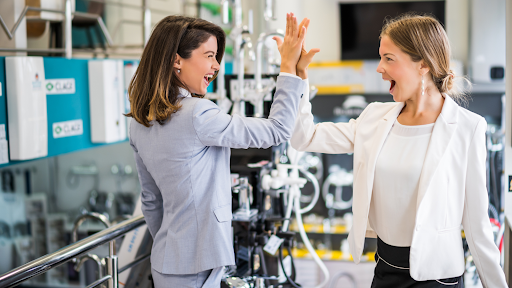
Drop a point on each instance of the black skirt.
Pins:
(392, 270)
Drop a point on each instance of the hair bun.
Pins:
(447, 83)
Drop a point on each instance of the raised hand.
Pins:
(290, 48)
(305, 57)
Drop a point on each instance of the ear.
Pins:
(177, 61)
(423, 68)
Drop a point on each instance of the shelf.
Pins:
(319, 228)
(331, 255)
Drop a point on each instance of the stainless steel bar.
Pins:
(67, 29)
(52, 50)
(86, 15)
(29, 8)
(112, 270)
(6, 29)
(10, 34)
(99, 281)
(17, 24)
(134, 263)
(41, 265)
(146, 21)
(105, 31)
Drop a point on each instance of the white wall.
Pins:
(324, 30)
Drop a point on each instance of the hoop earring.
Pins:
(422, 86)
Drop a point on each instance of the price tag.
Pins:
(273, 244)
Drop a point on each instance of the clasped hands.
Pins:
(294, 57)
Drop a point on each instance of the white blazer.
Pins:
(451, 189)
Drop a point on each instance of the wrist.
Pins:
(288, 69)
(302, 73)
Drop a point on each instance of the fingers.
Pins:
(302, 35)
(278, 40)
(288, 25)
(312, 52)
(295, 29)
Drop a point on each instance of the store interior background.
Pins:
(71, 189)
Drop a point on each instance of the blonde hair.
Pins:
(422, 37)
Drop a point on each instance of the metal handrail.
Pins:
(47, 262)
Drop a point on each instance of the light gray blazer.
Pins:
(184, 173)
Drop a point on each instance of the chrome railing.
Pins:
(47, 262)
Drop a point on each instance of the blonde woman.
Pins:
(419, 166)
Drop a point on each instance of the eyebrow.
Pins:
(388, 54)
(210, 52)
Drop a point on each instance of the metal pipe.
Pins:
(47, 262)
(52, 50)
(146, 19)
(92, 257)
(224, 4)
(67, 29)
(99, 281)
(134, 263)
(105, 31)
(258, 107)
(112, 270)
(259, 57)
(221, 80)
(92, 215)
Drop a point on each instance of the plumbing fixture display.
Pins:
(338, 178)
(26, 103)
(107, 101)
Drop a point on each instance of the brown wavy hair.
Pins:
(422, 37)
(154, 89)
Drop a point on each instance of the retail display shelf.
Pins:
(331, 255)
(319, 228)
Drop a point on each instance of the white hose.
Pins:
(313, 181)
(310, 248)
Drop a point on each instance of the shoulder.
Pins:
(201, 105)
(471, 121)
(377, 110)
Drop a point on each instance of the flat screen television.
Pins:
(361, 24)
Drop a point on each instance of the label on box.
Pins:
(4, 155)
(68, 128)
(60, 86)
(273, 244)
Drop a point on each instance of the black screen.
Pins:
(361, 24)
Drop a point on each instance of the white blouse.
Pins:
(395, 188)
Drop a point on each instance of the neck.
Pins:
(418, 105)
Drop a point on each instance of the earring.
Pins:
(422, 86)
(179, 70)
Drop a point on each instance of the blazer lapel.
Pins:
(444, 129)
(385, 125)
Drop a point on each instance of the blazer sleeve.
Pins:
(215, 128)
(151, 198)
(325, 137)
(475, 221)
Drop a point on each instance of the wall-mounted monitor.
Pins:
(361, 24)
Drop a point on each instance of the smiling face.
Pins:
(398, 68)
(196, 71)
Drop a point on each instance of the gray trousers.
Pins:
(204, 279)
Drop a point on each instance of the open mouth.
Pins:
(207, 78)
(392, 87)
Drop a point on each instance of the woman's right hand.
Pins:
(290, 48)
